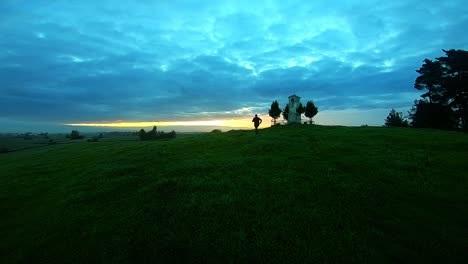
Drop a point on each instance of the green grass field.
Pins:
(291, 194)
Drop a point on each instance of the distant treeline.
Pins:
(155, 135)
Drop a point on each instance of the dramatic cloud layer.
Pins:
(92, 61)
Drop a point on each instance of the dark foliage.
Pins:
(274, 111)
(396, 119)
(425, 114)
(75, 135)
(300, 109)
(3, 150)
(142, 134)
(155, 135)
(216, 131)
(429, 79)
(286, 112)
(310, 110)
(446, 83)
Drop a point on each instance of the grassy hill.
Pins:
(290, 194)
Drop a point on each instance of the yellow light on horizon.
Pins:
(244, 122)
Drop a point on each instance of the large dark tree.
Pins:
(286, 112)
(430, 79)
(425, 114)
(310, 110)
(455, 81)
(275, 111)
(396, 119)
(446, 83)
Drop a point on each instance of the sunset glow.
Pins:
(232, 123)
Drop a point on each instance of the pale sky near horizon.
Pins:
(94, 62)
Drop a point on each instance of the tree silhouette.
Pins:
(286, 112)
(430, 78)
(75, 135)
(142, 134)
(396, 119)
(152, 134)
(425, 114)
(274, 111)
(446, 82)
(300, 109)
(155, 135)
(455, 81)
(310, 110)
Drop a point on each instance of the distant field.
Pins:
(14, 143)
(18, 142)
(291, 194)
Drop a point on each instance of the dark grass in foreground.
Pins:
(290, 194)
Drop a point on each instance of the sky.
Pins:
(194, 65)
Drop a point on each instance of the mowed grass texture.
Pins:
(291, 194)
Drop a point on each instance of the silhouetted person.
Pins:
(257, 121)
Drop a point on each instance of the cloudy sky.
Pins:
(110, 61)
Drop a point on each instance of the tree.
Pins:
(286, 112)
(425, 114)
(300, 109)
(152, 134)
(142, 134)
(430, 78)
(455, 80)
(310, 110)
(155, 135)
(75, 135)
(396, 119)
(446, 82)
(274, 111)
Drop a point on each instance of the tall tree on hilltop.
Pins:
(455, 80)
(274, 111)
(446, 82)
(310, 110)
(286, 112)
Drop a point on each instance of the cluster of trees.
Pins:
(74, 135)
(396, 119)
(444, 105)
(154, 134)
(310, 110)
(30, 135)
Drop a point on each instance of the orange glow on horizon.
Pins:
(234, 123)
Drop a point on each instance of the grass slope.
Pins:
(290, 194)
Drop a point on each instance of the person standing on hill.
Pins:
(257, 121)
